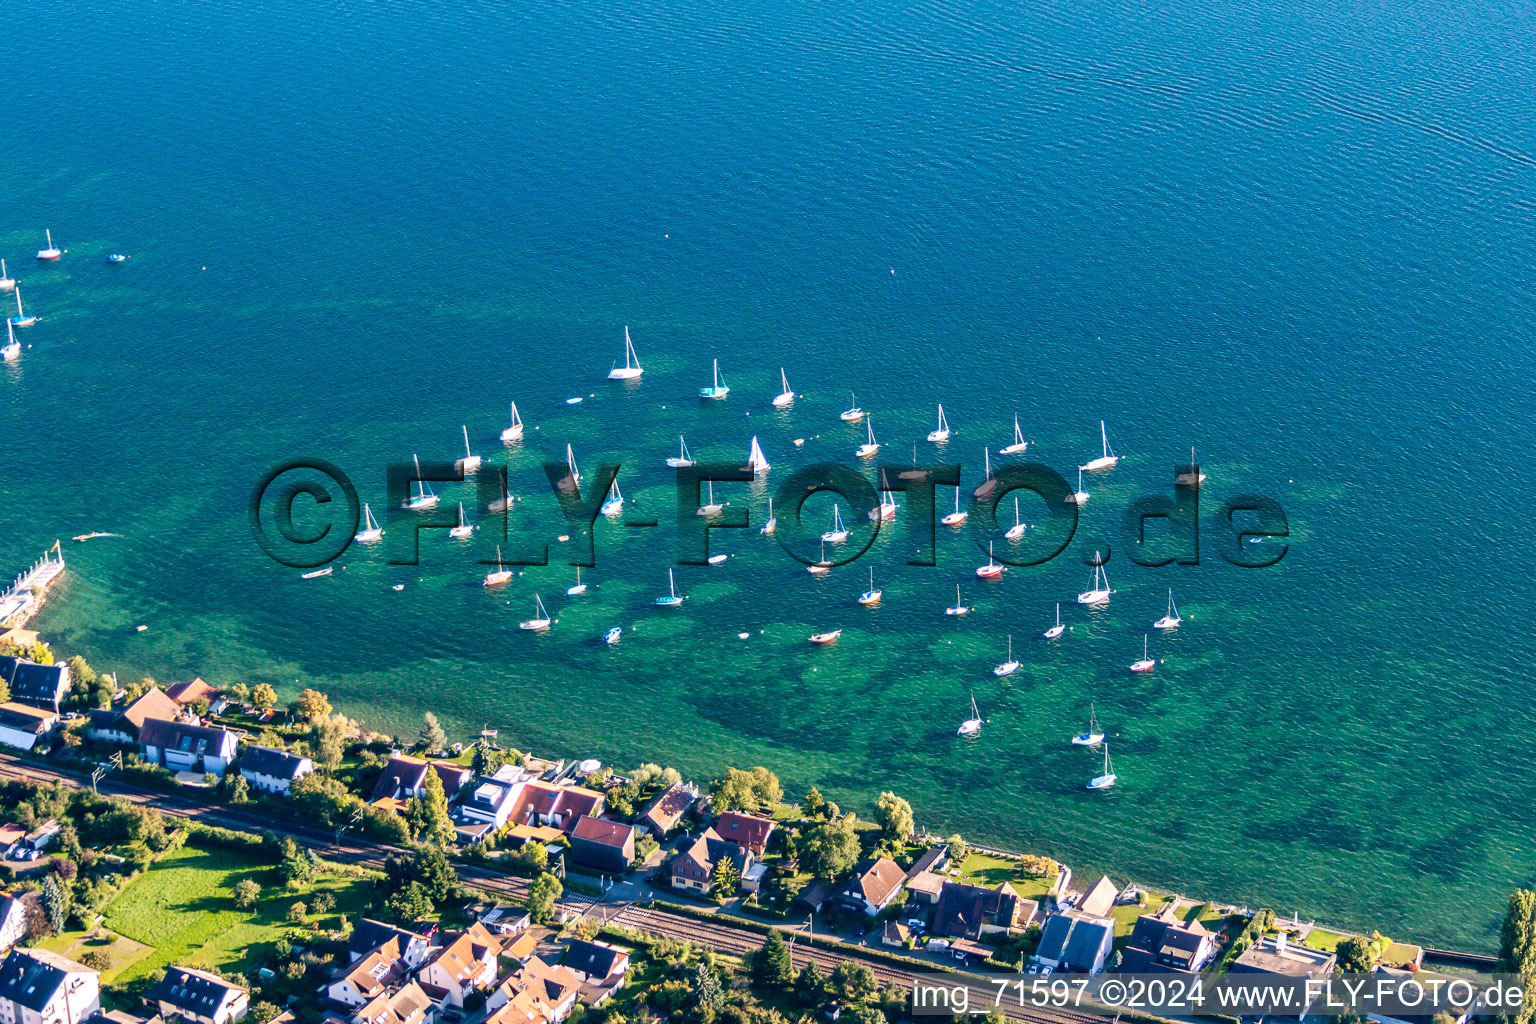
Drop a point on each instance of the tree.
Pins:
(238, 693)
(772, 966)
(810, 986)
(854, 982)
(297, 913)
(239, 789)
(431, 868)
(725, 880)
(487, 759)
(432, 736)
(1355, 956)
(297, 866)
(246, 893)
(814, 802)
(263, 1011)
(328, 738)
(96, 959)
(313, 705)
(546, 889)
(737, 790)
(1517, 948)
(409, 904)
(435, 824)
(5, 690)
(958, 850)
(831, 848)
(708, 996)
(55, 902)
(895, 816)
(264, 697)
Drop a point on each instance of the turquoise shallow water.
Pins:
(1299, 239)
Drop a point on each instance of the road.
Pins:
(719, 936)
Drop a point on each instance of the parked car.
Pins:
(938, 943)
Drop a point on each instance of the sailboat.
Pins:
(1108, 459)
(887, 507)
(957, 608)
(988, 482)
(1098, 592)
(1079, 496)
(1094, 736)
(6, 281)
(826, 638)
(870, 446)
(1017, 529)
(612, 636)
(839, 532)
(12, 347)
(53, 252)
(615, 503)
(785, 397)
(772, 523)
(1019, 444)
(631, 368)
(515, 431)
(941, 434)
(463, 529)
(757, 462)
(853, 413)
(684, 458)
(1056, 630)
(992, 569)
(957, 517)
(711, 508)
(540, 620)
(870, 596)
(501, 575)
(971, 726)
(572, 478)
(579, 588)
(1106, 780)
(716, 390)
(1172, 619)
(1193, 478)
(1010, 666)
(670, 599)
(371, 530)
(1146, 664)
(822, 567)
(423, 498)
(21, 319)
(470, 462)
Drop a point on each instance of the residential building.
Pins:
(41, 838)
(365, 979)
(1278, 955)
(197, 997)
(693, 868)
(464, 965)
(39, 987)
(1074, 941)
(490, 801)
(23, 726)
(596, 962)
(1099, 900)
(405, 777)
(536, 993)
(182, 747)
(13, 920)
(38, 686)
(1162, 942)
(875, 884)
(368, 935)
(121, 723)
(271, 770)
(11, 833)
(972, 911)
(748, 830)
(506, 920)
(186, 693)
(925, 886)
(543, 803)
(895, 934)
(603, 845)
(667, 810)
(410, 1005)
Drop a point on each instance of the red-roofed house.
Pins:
(747, 829)
(602, 844)
(464, 965)
(541, 803)
(186, 693)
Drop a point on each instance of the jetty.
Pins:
(24, 597)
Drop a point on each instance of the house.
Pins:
(38, 686)
(874, 886)
(596, 962)
(22, 726)
(813, 896)
(895, 934)
(365, 979)
(752, 878)
(122, 724)
(1161, 942)
(13, 921)
(186, 693)
(41, 838)
(406, 777)
(198, 997)
(506, 920)
(668, 808)
(694, 867)
(748, 830)
(536, 993)
(10, 834)
(180, 746)
(925, 886)
(1074, 941)
(972, 911)
(368, 935)
(542, 803)
(465, 965)
(271, 770)
(604, 845)
(490, 801)
(1099, 900)
(410, 1005)
(1277, 955)
(39, 987)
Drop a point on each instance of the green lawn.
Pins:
(1319, 939)
(985, 869)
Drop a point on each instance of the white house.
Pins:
(187, 748)
(197, 996)
(13, 921)
(271, 770)
(465, 965)
(366, 979)
(490, 801)
(39, 987)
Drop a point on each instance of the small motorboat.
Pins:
(826, 638)
(398, 586)
(317, 573)
(613, 635)
(716, 559)
(116, 257)
(574, 400)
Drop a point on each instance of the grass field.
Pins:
(985, 869)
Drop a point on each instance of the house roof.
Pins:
(709, 848)
(407, 1006)
(929, 861)
(152, 703)
(877, 880)
(462, 958)
(896, 932)
(669, 806)
(1295, 960)
(1073, 938)
(10, 832)
(534, 992)
(926, 882)
(1100, 900)
(376, 972)
(31, 683)
(196, 992)
(962, 908)
(747, 829)
(400, 778)
(31, 977)
(186, 693)
(594, 959)
(27, 719)
(186, 738)
(368, 935)
(603, 832)
(277, 764)
(543, 798)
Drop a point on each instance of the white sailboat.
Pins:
(1172, 619)
(887, 508)
(515, 431)
(716, 390)
(822, 567)
(7, 282)
(615, 503)
(828, 637)
(870, 596)
(853, 413)
(613, 635)
(1146, 664)
(53, 252)
(1079, 496)
(423, 498)
(580, 587)
(1017, 529)
(785, 397)
(871, 446)
(21, 319)
(463, 529)
(1106, 460)
(684, 458)
(957, 517)
(1010, 666)
(1094, 736)
(772, 523)
(12, 347)
(631, 368)
(957, 608)
(1019, 445)
(839, 532)
(971, 726)
(540, 620)
(1098, 592)
(988, 481)
(941, 433)
(470, 462)
(501, 575)
(711, 507)
(572, 478)
(757, 462)
(992, 569)
(1056, 630)
(671, 599)
(371, 530)
(1106, 780)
